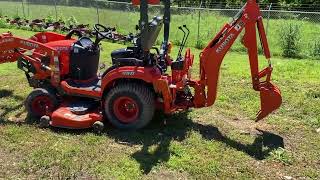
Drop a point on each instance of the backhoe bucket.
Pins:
(271, 100)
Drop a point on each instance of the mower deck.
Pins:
(76, 115)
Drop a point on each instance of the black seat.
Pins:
(130, 56)
(126, 57)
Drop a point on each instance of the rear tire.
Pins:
(40, 102)
(129, 106)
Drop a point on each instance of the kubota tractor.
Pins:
(68, 92)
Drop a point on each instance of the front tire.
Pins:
(40, 102)
(129, 106)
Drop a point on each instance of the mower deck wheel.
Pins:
(40, 102)
(44, 122)
(129, 106)
(98, 127)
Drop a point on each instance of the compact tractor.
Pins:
(70, 93)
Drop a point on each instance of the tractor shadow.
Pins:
(159, 134)
(6, 109)
(178, 126)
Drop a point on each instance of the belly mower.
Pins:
(68, 93)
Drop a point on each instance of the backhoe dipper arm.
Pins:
(12, 48)
(250, 19)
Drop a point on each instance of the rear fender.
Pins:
(150, 76)
(145, 74)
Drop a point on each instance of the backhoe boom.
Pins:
(250, 20)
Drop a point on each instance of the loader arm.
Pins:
(13, 48)
(250, 20)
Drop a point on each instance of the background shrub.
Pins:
(3, 23)
(49, 19)
(71, 21)
(315, 49)
(290, 40)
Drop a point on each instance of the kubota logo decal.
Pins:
(29, 44)
(62, 48)
(5, 40)
(11, 51)
(128, 73)
(239, 26)
(225, 43)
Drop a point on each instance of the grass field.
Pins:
(210, 23)
(220, 142)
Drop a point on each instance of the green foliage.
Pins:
(49, 19)
(201, 44)
(61, 18)
(16, 16)
(71, 21)
(3, 23)
(282, 156)
(25, 28)
(315, 49)
(290, 40)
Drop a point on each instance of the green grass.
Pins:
(210, 23)
(218, 142)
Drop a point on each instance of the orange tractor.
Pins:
(69, 93)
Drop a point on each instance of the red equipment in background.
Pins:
(70, 94)
(137, 2)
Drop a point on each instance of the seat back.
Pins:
(150, 34)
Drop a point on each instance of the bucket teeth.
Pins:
(271, 100)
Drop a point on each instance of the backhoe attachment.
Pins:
(250, 20)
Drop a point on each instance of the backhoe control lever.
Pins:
(186, 34)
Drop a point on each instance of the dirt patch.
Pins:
(243, 124)
(8, 164)
(164, 174)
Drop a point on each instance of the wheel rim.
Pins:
(41, 104)
(126, 109)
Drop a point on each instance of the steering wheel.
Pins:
(104, 33)
(72, 32)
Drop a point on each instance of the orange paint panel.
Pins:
(64, 118)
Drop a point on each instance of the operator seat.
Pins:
(130, 56)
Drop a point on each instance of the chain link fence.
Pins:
(203, 22)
